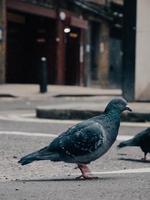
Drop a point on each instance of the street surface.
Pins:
(122, 174)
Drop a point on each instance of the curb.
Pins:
(66, 114)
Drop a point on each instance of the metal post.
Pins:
(43, 75)
(129, 50)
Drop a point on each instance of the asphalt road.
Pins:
(122, 174)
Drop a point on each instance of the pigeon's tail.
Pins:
(126, 143)
(42, 154)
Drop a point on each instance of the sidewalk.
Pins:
(74, 102)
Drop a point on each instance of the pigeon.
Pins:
(84, 142)
(141, 140)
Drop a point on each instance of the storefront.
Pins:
(33, 32)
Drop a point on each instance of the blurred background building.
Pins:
(74, 36)
(85, 42)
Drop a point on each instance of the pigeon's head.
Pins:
(118, 105)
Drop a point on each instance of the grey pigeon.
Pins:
(141, 140)
(85, 141)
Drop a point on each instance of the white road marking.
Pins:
(124, 137)
(136, 124)
(125, 171)
(27, 134)
(21, 133)
(32, 118)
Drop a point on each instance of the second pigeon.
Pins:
(141, 140)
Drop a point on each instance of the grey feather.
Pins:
(141, 140)
(85, 141)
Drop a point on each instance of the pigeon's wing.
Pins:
(79, 140)
(141, 137)
(145, 138)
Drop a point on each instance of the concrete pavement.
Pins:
(122, 174)
(73, 102)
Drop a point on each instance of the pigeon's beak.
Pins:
(128, 108)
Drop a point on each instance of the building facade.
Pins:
(74, 36)
(136, 68)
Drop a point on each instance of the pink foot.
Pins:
(86, 173)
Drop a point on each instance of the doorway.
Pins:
(72, 55)
(29, 37)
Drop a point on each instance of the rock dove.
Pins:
(141, 140)
(85, 141)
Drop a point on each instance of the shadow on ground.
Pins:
(134, 160)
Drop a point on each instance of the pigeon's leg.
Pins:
(86, 173)
(144, 159)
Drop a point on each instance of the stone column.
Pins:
(87, 56)
(103, 55)
(136, 49)
(129, 34)
(81, 59)
(142, 71)
(60, 53)
(2, 40)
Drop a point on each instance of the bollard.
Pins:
(43, 75)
